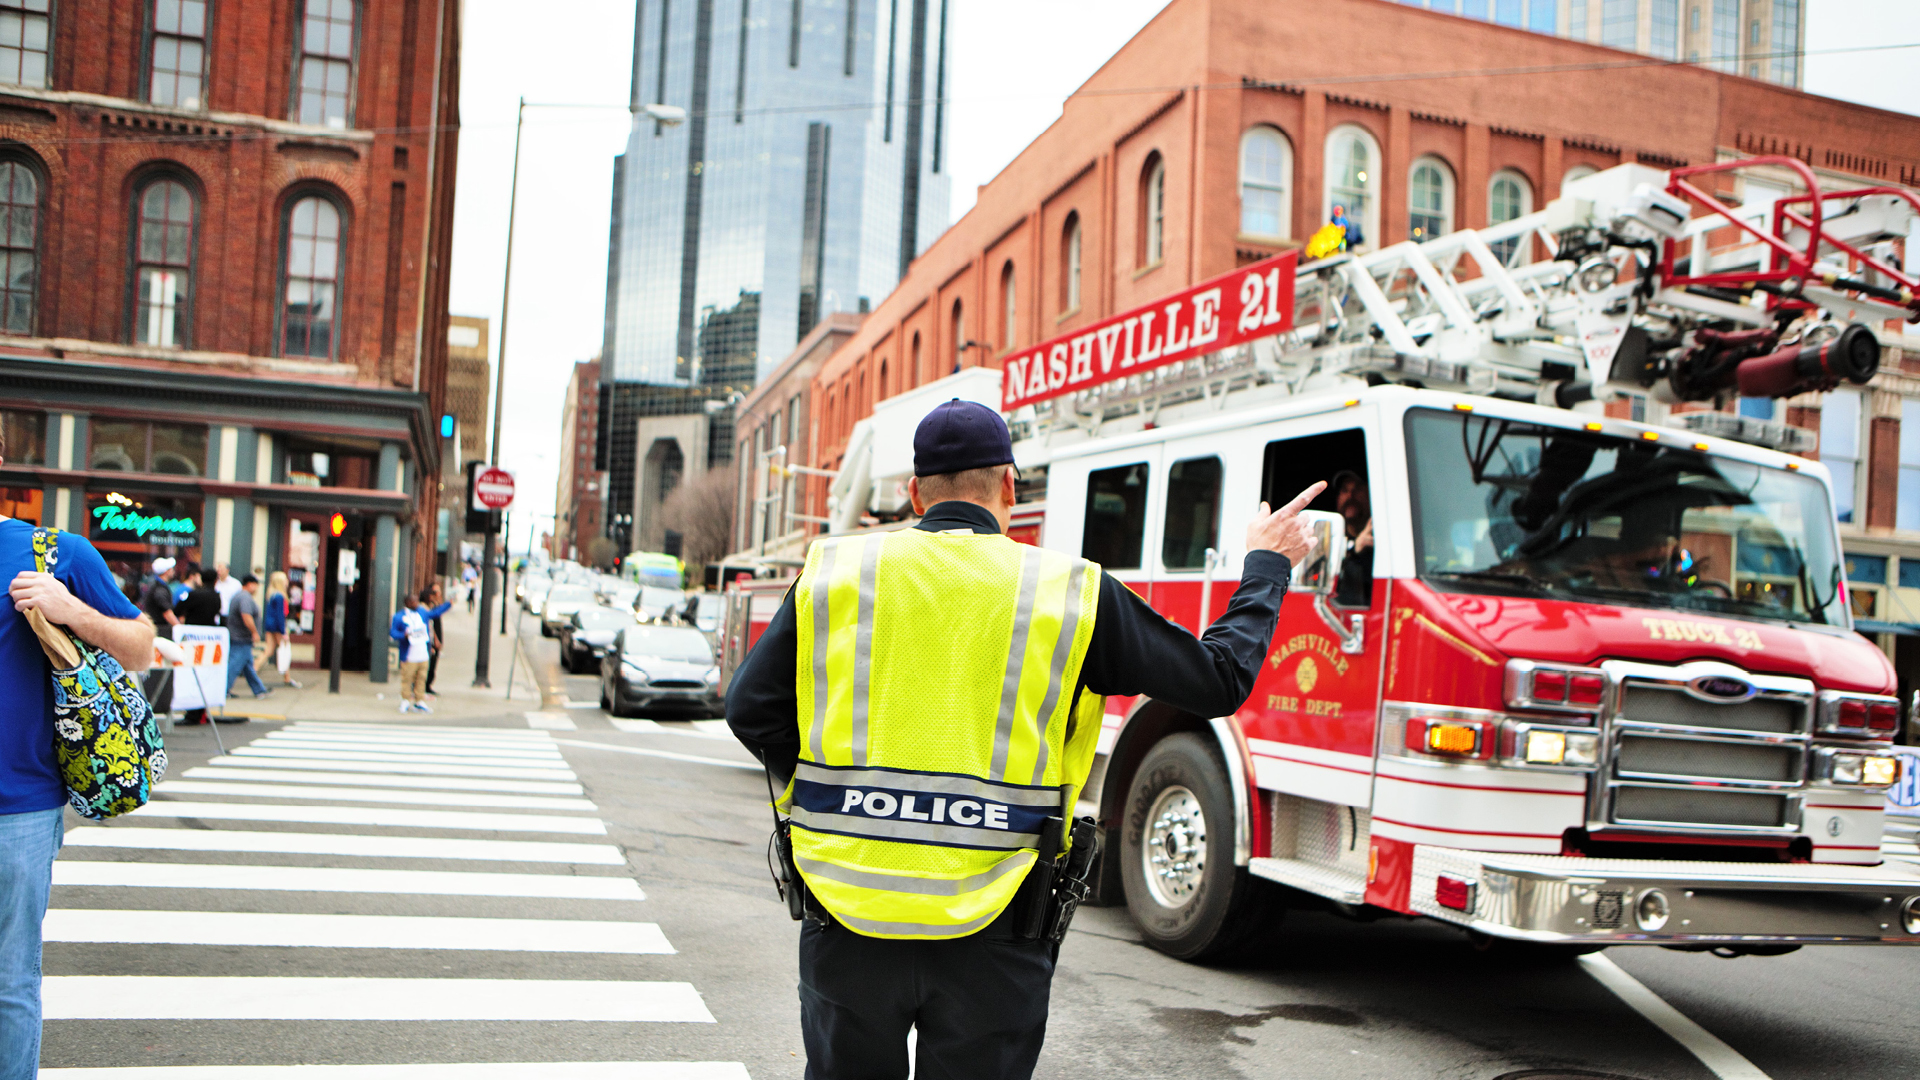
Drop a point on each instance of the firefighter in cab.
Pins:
(927, 702)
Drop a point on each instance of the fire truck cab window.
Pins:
(1116, 516)
(1519, 509)
(1339, 458)
(1193, 513)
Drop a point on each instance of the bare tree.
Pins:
(701, 511)
(601, 552)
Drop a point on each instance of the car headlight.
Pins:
(713, 676)
(634, 672)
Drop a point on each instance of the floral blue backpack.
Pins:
(105, 737)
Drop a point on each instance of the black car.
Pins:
(588, 633)
(660, 670)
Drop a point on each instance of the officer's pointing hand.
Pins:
(1282, 530)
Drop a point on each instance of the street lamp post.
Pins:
(483, 656)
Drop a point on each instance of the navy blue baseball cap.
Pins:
(960, 435)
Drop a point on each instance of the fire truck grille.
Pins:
(1698, 806)
(1662, 705)
(1654, 757)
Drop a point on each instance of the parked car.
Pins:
(615, 593)
(588, 633)
(701, 611)
(660, 670)
(529, 587)
(561, 602)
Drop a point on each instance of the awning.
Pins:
(1874, 626)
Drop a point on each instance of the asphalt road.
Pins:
(1315, 997)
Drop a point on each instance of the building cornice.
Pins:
(191, 116)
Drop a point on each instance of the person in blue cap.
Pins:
(925, 798)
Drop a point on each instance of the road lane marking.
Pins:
(342, 879)
(399, 758)
(546, 1070)
(654, 727)
(380, 847)
(358, 726)
(517, 746)
(670, 755)
(140, 997)
(1722, 1060)
(429, 783)
(372, 795)
(99, 926)
(382, 768)
(551, 721)
(478, 754)
(479, 821)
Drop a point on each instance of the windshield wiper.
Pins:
(1495, 576)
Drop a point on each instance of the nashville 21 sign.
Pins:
(1251, 302)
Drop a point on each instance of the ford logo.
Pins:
(1721, 689)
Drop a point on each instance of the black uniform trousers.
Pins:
(980, 1003)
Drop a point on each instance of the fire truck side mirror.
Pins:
(1321, 572)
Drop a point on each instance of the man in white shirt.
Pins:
(409, 631)
(226, 586)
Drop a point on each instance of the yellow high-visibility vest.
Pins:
(936, 677)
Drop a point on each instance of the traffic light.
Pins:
(337, 525)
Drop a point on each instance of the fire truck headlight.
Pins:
(1546, 747)
(1879, 771)
(1582, 749)
(1847, 768)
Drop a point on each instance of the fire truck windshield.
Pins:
(1507, 506)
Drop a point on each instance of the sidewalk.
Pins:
(361, 699)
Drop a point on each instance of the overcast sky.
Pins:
(1006, 89)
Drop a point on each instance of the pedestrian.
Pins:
(273, 627)
(200, 606)
(82, 596)
(468, 576)
(243, 622)
(435, 641)
(409, 630)
(224, 584)
(932, 660)
(156, 602)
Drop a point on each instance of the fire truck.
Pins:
(1561, 678)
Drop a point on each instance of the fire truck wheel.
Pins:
(1176, 853)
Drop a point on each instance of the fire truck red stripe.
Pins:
(1476, 787)
(1315, 764)
(1467, 832)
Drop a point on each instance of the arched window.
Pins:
(1429, 200)
(19, 245)
(324, 95)
(958, 335)
(1007, 306)
(1070, 264)
(310, 283)
(1353, 181)
(883, 378)
(1508, 196)
(1153, 210)
(1578, 172)
(914, 368)
(163, 263)
(1266, 178)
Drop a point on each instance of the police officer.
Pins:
(931, 698)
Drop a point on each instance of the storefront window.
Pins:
(132, 528)
(138, 446)
(26, 435)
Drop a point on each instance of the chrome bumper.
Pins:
(1550, 898)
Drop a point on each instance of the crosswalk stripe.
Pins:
(383, 781)
(480, 821)
(363, 727)
(530, 768)
(427, 741)
(382, 847)
(143, 997)
(373, 795)
(535, 755)
(324, 763)
(433, 783)
(342, 879)
(100, 926)
(491, 1070)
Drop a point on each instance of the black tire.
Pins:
(1213, 906)
(604, 703)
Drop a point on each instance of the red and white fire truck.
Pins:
(1558, 678)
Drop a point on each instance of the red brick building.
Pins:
(579, 510)
(1226, 130)
(226, 279)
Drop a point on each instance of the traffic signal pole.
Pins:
(483, 656)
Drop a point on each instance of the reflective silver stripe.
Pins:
(863, 645)
(918, 886)
(821, 586)
(1016, 660)
(875, 926)
(1056, 668)
(964, 786)
(913, 831)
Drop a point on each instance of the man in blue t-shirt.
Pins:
(84, 598)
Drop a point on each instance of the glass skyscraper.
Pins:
(809, 171)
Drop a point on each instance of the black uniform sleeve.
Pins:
(763, 706)
(1135, 650)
